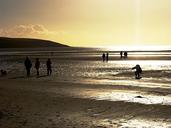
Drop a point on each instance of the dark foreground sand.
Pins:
(31, 104)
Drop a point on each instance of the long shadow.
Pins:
(42, 76)
(17, 77)
(21, 77)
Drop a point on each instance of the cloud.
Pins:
(39, 28)
(27, 31)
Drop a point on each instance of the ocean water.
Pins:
(86, 65)
(81, 65)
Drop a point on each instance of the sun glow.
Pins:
(138, 22)
(137, 48)
(88, 23)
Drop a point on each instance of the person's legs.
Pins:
(28, 72)
(50, 71)
(37, 72)
(136, 74)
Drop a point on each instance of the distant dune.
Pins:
(27, 43)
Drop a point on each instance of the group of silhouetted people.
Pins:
(124, 54)
(28, 66)
(105, 57)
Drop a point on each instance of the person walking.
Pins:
(103, 57)
(125, 55)
(107, 56)
(37, 66)
(121, 54)
(28, 65)
(49, 67)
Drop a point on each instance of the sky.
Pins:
(88, 22)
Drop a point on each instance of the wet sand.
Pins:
(83, 93)
(39, 104)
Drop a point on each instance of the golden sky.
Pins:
(89, 22)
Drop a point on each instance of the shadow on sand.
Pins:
(17, 77)
(42, 76)
(22, 77)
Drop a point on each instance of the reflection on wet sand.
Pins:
(135, 123)
(131, 96)
(123, 95)
(95, 93)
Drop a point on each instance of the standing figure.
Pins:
(37, 65)
(103, 57)
(28, 65)
(49, 67)
(121, 54)
(107, 56)
(125, 54)
(138, 71)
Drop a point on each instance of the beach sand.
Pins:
(82, 93)
(38, 104)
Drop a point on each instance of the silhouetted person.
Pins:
(28, 65)
(3, 72)
(138, 71)
(125, 54)
(37, 65)
(107, 56)
(49, 67)
(103, 57)
(121, 54)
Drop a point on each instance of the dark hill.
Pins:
(27, 43)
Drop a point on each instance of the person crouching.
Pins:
(138, 71)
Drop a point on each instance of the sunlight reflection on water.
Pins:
(131, 96)
(146, 65)
(133, 83)
(136, 123)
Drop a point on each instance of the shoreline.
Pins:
(87, 58)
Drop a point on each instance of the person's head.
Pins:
(37, 59)
(137, 65)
